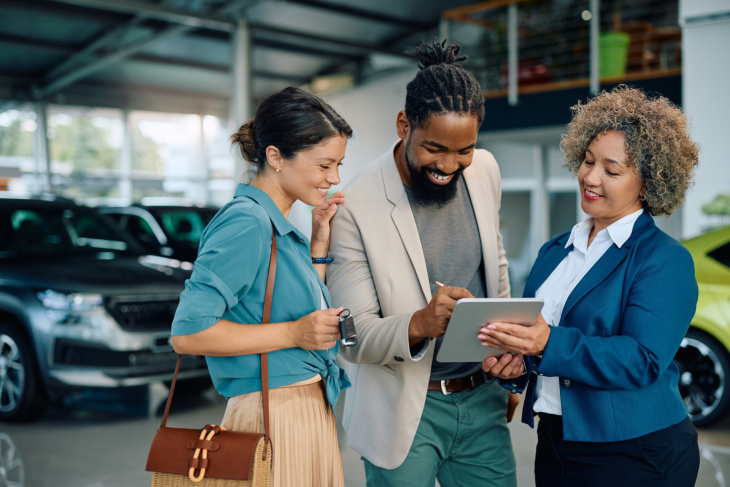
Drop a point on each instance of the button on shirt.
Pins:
(229, 282)
(557, 288)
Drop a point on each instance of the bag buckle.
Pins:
(204, 462)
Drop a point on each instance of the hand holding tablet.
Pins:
(461, 344)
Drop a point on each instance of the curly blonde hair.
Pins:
(657, 142)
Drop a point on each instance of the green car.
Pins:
(703, 358)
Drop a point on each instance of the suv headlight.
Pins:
(70, 302)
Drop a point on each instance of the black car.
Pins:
(81, 305)
(169, 229)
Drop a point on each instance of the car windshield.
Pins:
(183, 224)
(46, 229)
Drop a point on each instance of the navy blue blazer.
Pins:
(619, 331)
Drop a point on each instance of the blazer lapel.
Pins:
(607, 263)
(600, 271)
(484, 214)
(553, 256)
(404, 222)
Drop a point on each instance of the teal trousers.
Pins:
(462, 440)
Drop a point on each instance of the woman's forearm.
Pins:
(226, 338)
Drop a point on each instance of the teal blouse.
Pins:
(229, 282)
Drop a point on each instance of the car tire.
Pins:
(704, 371)
(22, 395)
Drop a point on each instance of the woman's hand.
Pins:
(319, 330)
(508, 366)
(321, 218)
(517, 339)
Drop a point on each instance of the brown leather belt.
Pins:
(460, 384)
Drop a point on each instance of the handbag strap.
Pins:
(264, 356)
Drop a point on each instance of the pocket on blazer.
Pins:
(388, 368)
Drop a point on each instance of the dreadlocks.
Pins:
(442, 85)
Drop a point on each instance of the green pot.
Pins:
(614, 49)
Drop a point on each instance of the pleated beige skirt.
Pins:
(303, 432)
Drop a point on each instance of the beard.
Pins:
(426, 192)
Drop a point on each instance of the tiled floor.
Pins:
(103, 442)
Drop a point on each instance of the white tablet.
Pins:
(460, 343)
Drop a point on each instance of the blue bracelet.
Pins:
(322, 260)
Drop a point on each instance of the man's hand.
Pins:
(508, 366)
(431, 321)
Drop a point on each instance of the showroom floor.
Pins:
(102, 440)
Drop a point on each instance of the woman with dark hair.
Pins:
(619, 295)
(296, 141)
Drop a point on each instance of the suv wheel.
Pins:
(22, 397)
(704, 370)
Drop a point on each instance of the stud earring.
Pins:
(277, 170)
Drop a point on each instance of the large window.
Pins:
(167, 158)
(96, 155)
(84, 146)
(222, 172)
(17, 167)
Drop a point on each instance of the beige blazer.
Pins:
(379, 273)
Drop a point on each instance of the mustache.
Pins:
(440, 172)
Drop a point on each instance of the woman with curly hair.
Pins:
(619, 295)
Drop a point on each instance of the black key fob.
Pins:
(348, 336)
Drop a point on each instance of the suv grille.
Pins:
(69, 352)
(134, 314)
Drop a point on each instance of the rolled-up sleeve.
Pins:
(231, 251)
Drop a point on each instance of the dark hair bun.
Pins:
(246, 141)
(438, 53)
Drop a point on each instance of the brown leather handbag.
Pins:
(212, 456)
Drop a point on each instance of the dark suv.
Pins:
(170, 228)
(81, 305)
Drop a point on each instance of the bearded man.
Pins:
(419, 231)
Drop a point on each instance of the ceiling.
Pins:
(177, 55)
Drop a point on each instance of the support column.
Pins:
(595, 81)
(205, 163)
(241, 107)
(125, 159)
(443, 29)
(512, 54)
(41, 151)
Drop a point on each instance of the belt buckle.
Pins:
(443, 388)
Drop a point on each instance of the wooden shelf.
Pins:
(584, 82)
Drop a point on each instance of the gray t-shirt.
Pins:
(453, 251)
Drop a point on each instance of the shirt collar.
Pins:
(281, 224)
(619, 231)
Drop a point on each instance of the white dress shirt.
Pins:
(558, 286)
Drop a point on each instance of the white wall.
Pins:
(371, 111)
(706, 99)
